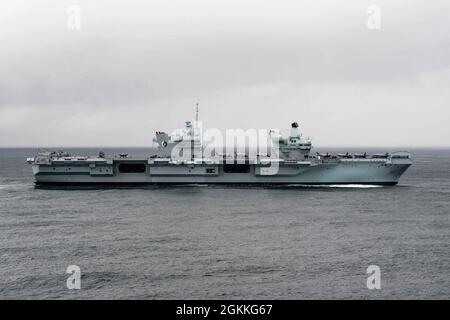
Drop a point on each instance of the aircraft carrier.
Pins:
(181, 158)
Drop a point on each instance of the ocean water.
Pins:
(214, 242)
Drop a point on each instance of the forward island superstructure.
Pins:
(181, 158)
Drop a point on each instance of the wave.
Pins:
(357, 186)
(14, 186)
(351, 186)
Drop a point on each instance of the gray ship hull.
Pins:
(108, 171)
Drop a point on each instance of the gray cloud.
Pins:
(138, 66)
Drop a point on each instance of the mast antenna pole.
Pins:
(196, 113)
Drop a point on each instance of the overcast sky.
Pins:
(135, 67)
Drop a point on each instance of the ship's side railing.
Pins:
(45, 156)
(401, 155)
